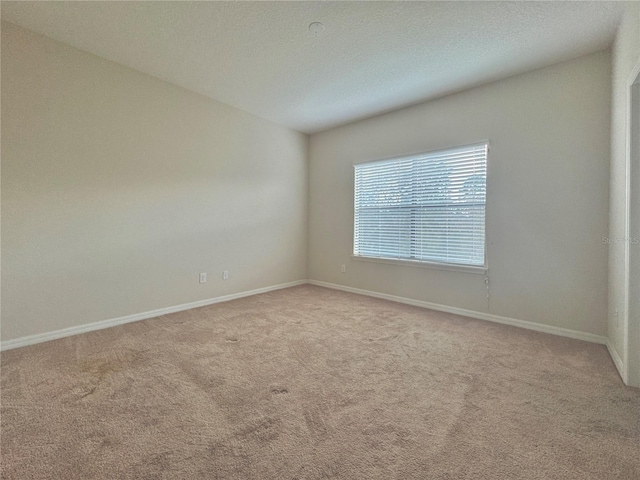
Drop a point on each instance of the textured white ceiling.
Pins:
(372, 57)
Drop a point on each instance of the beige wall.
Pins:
(547, 195)
(626, 54)
(118, 189)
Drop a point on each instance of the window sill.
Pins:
(414, 263)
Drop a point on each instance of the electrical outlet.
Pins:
(225, 275)
(343, 268)
(203, 277)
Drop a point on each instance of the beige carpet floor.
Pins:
(310, 383)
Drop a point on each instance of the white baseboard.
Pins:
(617, 361)
(538, 327)
(67, 332)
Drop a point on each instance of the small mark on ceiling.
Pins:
(316, 28)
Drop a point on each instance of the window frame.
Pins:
(475, 269)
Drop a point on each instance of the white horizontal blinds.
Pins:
(427, 207)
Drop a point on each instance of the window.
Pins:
(427, 208)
